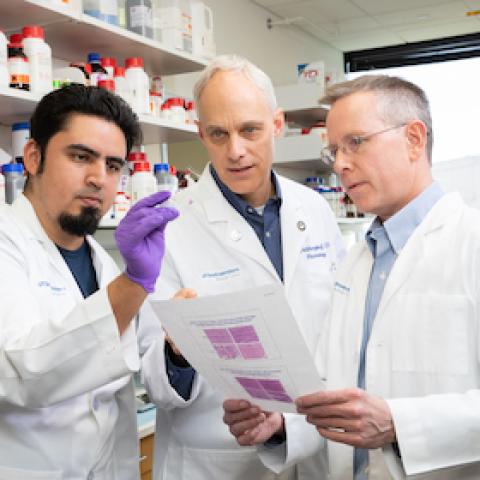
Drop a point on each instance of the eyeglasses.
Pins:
(350, 145)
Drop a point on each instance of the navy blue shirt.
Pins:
(81, 265)
(266, 225)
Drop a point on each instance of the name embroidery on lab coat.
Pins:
(316, 251)
(53, 289)
(223, 274)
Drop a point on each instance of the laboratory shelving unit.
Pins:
(298, 156)
(71, 34)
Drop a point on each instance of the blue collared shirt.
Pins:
(267, 228)
(386, 241)
(266, 225)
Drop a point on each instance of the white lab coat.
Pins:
(59, 354)
(423, 354)
(212, 249)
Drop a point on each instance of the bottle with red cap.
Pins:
(18, 67)
(121, 85)
(107, 84)
(4, 75)
(109, 64)
(39, 56)
(138, 84)
(143, 182)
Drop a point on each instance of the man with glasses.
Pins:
(401, 354)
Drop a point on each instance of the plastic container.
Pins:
(165, 180)
(143, 182)
(138, 84)
(177, 110)
(173, 23)
(203, 43)
(140, 17)
(121, 205)
(2, 189)
(18, 67)
(4, 74)
(39, 56)
(191, 114)
(106, 10)
(155, 104)
(98, 72)
(14, 181)
(108, 64)
(20, 136)
(121, 85)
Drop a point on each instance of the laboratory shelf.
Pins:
(18, 105)
(301, 152)
(72, 34)
(156, 130)
(300, 102)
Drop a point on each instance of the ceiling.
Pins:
(361, 24)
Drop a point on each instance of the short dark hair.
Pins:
(55, 109)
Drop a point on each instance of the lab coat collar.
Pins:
(23, 210)
(406, 263)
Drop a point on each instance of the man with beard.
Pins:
(67, 344)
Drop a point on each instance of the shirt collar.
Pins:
(400, 226)
(236, 200)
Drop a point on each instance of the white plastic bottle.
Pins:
(203, 43)
(4, 74)
(143, 182)
(121, 85)
(39, 56)
(138, 84)
(106, 10)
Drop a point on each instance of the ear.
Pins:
(416, 132)
(31, 157)
(278, 122)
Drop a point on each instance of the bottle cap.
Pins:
(12, 167)
(134, 62)
(108, 62)
(93, 57)
(159, 167)
(119, 72)
(33, 31)
(137, 157)
(107, 84)
(16, 38)
(20, 126)
(141, 167)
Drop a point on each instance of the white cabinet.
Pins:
(71, 35)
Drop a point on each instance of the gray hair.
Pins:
(401, 101)
(235, 63)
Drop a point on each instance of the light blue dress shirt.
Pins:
(386, 241)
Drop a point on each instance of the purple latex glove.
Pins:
(141, 241)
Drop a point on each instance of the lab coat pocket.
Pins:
(222, 463)
(7, 473)
(431, 334)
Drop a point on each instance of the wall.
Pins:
(240, 27)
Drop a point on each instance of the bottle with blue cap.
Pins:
(98, 72)
(14, 181)
(20, 136)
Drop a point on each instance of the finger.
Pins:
(353, 439)
(185, 293)
(156, 220)
(343, 424)
(247, 414)
(150, 201)
(233, 405)
(246, 427)
(327, 398)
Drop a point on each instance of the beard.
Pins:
(85, 223)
